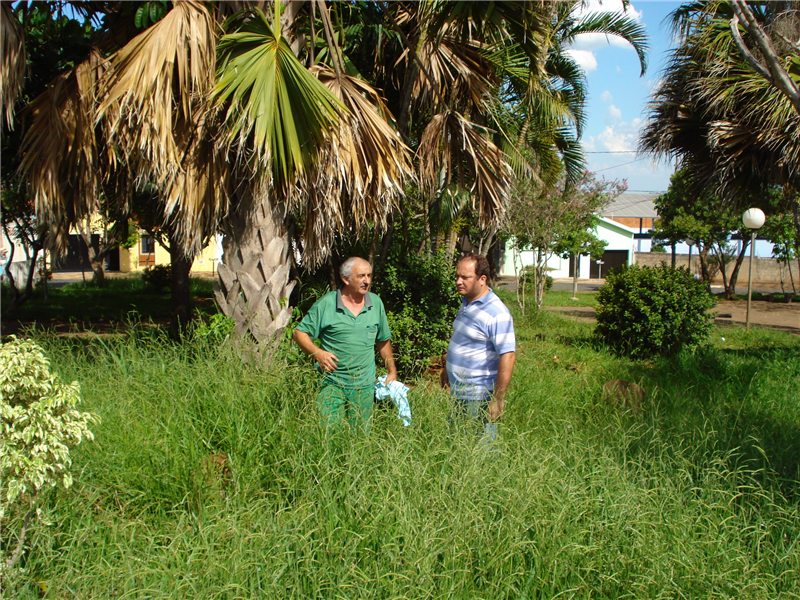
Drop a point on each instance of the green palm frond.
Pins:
(276, 113)
(617, 24)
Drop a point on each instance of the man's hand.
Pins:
(327, 360)
(504, 371)
(385, 350)
(495, 409)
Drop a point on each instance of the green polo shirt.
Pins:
(350, 337)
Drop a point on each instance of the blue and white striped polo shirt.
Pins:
(482, 331)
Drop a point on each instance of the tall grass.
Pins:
(696, 497)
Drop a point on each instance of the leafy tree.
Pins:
(711, 222)
(558, 219)
(779, 229)
(40, 42)
(39, 426)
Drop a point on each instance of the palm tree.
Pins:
(265, 121)
(716, 115)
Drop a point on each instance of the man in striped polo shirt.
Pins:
(482, 350)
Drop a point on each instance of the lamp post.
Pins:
(753, 219)
(600, 264)
(690, 242)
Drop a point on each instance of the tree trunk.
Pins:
(254, 285)
(674, 258)
(735, 273)
(95, 258)
(720, 258)
(385, 245)
(730, 285)
(702, 255)
(181, 287)
(576, 258)
(541, 265)
(20, 296)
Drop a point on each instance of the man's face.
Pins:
(360, 278)
(467, 283)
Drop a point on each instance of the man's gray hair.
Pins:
(346, 270)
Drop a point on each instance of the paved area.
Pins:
(774, 315)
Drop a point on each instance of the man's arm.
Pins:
(327, 360)
(504, 371)
(385, 350)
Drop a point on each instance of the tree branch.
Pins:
(10, 562)
(774, 71)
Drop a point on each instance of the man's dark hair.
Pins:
(481, 264)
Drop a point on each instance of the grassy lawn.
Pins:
(697, 496)
(121, 299)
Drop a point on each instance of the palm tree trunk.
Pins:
(254, 277)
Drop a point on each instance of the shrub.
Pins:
(645, 311)
(158, 278)
(528, 278)
(421, 302)
(39, 425)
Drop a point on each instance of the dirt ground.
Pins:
(774, 315)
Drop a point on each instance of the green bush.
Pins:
(39, 426)
(158, 278)
(527, 278)
(646, 311)
(421, 301)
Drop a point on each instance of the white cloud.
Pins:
(607, 97)
(585, 59)
(582, 49)
(614, 114)
(616, 137)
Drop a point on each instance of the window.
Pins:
(148, 245)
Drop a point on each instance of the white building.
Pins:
(619, 252)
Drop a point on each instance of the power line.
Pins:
(622, 165)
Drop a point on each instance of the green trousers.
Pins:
(354, 404)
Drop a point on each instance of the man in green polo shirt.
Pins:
(349, 323)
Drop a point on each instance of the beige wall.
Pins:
(766, 271)
(205, 263)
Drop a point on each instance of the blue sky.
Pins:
(618, 96)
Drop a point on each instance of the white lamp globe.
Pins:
(753, 218)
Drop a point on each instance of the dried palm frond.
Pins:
(12, 70)
(456, 154)
(361, 171)
(151, 93)
(198, 195)
(453, 71)
(60, 157)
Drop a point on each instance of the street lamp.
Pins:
(753, 219)
(690, 241)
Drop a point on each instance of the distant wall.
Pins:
(766, 271)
